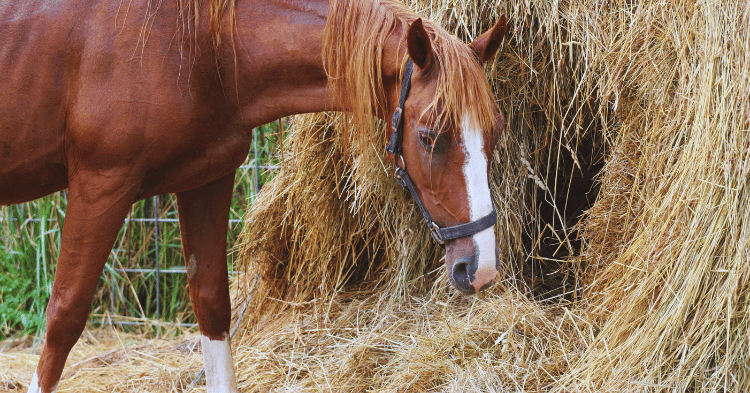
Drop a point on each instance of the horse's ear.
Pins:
(419, 45)
(487, 44)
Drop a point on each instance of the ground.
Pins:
(108, 360)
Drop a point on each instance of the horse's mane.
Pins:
(216, 9)
(357, 30)
(190, 14)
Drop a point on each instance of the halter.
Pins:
(395, 147)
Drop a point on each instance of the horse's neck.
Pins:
(278, 53)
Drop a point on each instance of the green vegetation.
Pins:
(30, 239)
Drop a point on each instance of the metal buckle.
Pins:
(435, 232)
(396, 119)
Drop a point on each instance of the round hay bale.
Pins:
(621, 184)
(669, 230)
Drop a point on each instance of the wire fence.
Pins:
(257, 169)
(144, 282)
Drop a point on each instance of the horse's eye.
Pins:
(427, 138)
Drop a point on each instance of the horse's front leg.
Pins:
(98, 202)
(204, 216)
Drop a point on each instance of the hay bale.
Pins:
(633, 112)
(339, 294)
(670, 228)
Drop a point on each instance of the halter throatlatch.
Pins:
(395, 147)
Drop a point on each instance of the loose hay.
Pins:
(634, 112)
(107, 360)
(672, 298)
(440, 342)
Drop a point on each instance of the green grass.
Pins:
(30, 240)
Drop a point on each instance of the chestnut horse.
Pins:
(120, 100)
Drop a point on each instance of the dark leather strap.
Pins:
(395, 143)
(405, 181)
(468, 229)
(442, 235)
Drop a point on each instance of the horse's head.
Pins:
(444, 131)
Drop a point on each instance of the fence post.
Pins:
(256, 182)
(158, 269)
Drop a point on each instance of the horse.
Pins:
(118, 101)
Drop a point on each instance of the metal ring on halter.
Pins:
(399, 179)
(435, 232)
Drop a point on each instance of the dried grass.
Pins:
(439, 342)
(672, 297)
(639, 106)
(108, 360)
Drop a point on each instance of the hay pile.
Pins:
(632, 112)
(670, 230)
(109, 360)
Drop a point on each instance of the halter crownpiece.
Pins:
(395, 144)
(395, 147)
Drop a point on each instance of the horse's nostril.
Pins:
(460, 277)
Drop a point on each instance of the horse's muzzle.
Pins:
(472, 262)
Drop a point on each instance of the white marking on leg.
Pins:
(480, 199)
(34, 385)
(217, 358)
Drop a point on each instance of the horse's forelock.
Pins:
(355, 32)
(461, 86)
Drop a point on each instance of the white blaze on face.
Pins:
(217, 358)
(480, 200)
